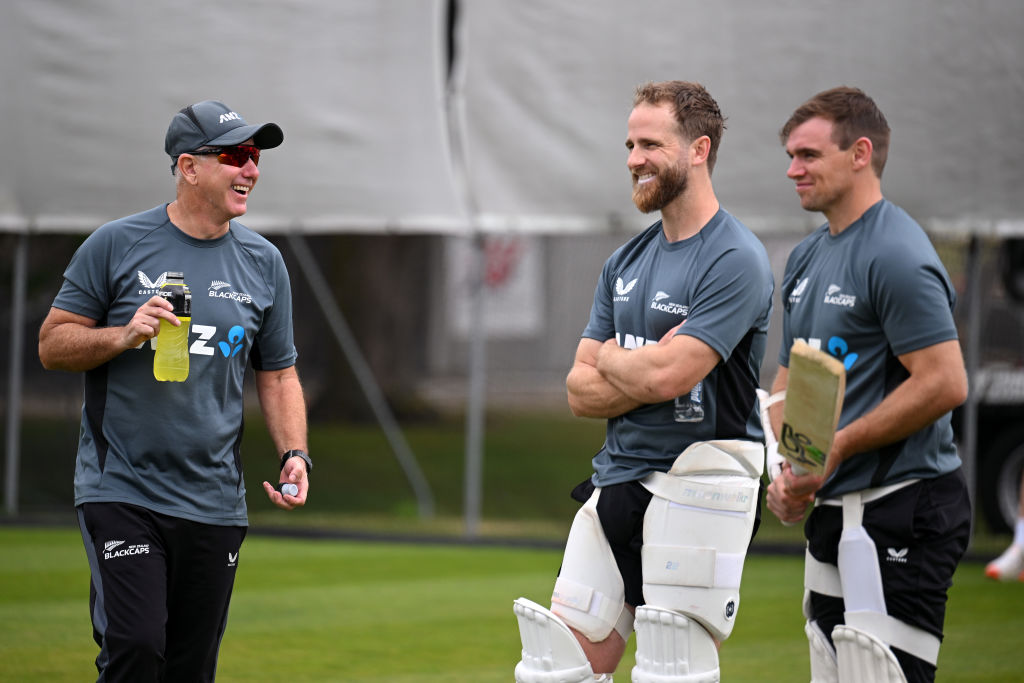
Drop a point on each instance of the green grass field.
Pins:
(370, 612)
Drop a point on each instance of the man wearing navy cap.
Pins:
(158, 481)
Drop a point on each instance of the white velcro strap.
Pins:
(853, 510)
(624, 626)
(679, 566)
(869, 495)
(728, 569)
(574, 595)
(898, 634)
(688, 566)
(772, 399)
(821, 577)
(687, 491)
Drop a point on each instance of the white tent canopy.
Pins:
(542, 90)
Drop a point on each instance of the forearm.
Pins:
(74, 347)
(657, 372)
(903, 412)
(284, 408)
(591, 395)
(937, 383)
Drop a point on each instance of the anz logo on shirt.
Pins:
(838, 347)
(210, 343)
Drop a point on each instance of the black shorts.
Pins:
(621, 509)
(920, 533)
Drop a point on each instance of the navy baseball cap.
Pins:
(213, 124)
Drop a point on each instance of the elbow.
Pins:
(46, 358)
(578, 408)
(959, 391)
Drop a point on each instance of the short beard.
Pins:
(660, 192)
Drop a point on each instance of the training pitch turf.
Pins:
(362, 612)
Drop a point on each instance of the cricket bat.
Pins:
(814, 399)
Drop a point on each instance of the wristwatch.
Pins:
(296, 453)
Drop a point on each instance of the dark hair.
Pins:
(853, 114)
(695, 110)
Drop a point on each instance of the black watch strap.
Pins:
(296, 453)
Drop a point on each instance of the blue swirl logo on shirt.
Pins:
(233, 345)
(838, 347)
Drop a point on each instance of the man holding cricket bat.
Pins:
(891, 512)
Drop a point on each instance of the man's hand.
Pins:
(294, 472)
(790, 494)
(145, 324)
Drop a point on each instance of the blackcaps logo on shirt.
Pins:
(834, 296)
(221, 290)
(658, 303)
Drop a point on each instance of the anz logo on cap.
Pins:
(230, 116)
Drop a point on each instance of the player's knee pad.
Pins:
(823, 657)
(671, 648)
(697, 528)
(551, 653)
(589, 594)
(863, 657)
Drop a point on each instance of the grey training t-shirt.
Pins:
(873, 292)
(720, 283)
(173, 447)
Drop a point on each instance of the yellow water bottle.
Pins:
(170, 363)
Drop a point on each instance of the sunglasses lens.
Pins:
(239, 155)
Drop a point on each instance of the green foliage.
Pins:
(372, 612)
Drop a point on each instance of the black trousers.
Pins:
(159, 592)
(920, 534)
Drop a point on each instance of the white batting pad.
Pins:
(673, 649)
(551, 653)
(862, 657)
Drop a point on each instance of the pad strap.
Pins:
(690, 566)
(824, 578)
(687, 491)
(898, 634)
(868, 495)
(821, 577)
(585, 599)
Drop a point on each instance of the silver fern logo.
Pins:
(110, 545)
(219, 284)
